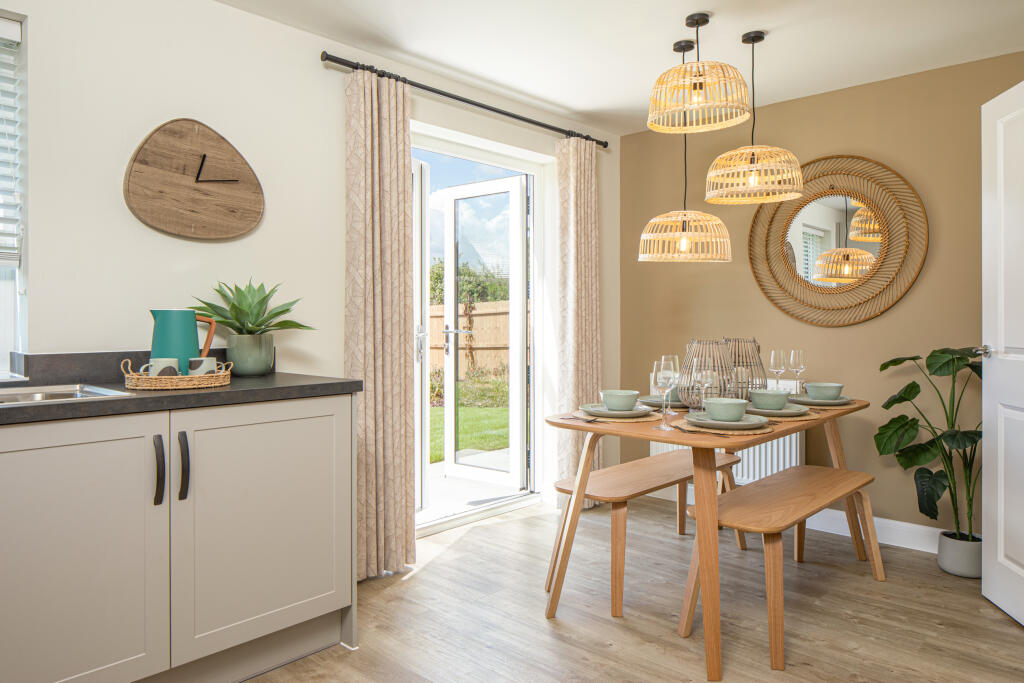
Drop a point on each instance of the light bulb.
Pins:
(753, 179)
(846, 269)
(684, 244)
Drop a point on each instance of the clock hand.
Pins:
(202, 162)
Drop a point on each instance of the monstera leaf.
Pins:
(946, 361)
(930, 487)
(893, 362)
(907, 393)
(919, 454)
(896, 434)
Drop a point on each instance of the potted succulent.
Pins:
(247, 312)
(919, 442)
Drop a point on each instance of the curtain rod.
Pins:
(325, 57)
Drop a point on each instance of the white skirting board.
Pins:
(890, 531)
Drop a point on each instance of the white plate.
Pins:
(791, 410)
(598, 410)
(700, 419)
(805, 400)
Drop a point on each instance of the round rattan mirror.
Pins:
(847, 250)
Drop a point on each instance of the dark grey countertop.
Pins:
(272, 387)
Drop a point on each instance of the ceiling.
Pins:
(596, 59)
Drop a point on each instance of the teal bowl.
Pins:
(824, 391)
(769, 399)
(725, 409)
(619, 399)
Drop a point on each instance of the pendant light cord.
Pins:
(685, 179)
(753, 97)
(846, 220)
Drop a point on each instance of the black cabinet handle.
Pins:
(186, 466)
(158, 448)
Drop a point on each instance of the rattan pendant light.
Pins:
(864, 226)
(756, 174)
(685, 236)
(699, 96)
(843, 265)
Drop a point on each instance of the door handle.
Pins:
(421, 339)
(447, 332)
(158, 449)
(186, 465)
(985, 350)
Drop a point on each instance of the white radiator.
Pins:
(759, 461)
(767, 458)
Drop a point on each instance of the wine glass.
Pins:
(702, 378)
(777, 365)
(674, 360)
(665, 376)
(797, 365)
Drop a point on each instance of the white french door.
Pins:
(481, 341)
(1002, 192)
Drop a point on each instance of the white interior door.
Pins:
(1002, 193)
(473, 339)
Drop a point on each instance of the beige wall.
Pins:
(927, 127)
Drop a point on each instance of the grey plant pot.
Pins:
(251, 354)
(960, 558)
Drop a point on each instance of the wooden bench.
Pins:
(619, 484)
(771, 505)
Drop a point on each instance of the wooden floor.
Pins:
(473, 610)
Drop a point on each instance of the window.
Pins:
(812, 244)
(12, 229)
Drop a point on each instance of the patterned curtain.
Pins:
(378, 318)
(579, 333)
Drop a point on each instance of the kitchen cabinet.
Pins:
(261, 535)
(106, 576)
(85, 560)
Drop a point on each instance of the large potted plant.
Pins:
(919, 442)
(247, 312)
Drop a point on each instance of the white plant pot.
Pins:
(960, 558)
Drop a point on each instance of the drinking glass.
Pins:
(674, 360)
(777, 364)
(665, 377)
(797, 365)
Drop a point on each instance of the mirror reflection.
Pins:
(833, 241)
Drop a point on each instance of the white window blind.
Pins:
(812, 250)
(11, 101)
(12, 229)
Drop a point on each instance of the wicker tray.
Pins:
(135, 380)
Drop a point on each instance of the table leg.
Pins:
(706, 502)
(554, 551)
(835, 449)
(574, 507)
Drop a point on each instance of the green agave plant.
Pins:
(918, 445)
(246, 310)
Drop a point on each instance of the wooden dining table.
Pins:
(705, 486)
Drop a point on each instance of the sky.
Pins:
(482, 221)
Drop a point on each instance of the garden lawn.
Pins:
(482, 429)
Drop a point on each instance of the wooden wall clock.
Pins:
(186, 179)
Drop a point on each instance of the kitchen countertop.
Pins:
(272, 387)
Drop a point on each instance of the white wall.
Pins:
(103, 74)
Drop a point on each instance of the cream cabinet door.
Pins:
(84, 550)
(261, 531)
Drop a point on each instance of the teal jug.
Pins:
(176, 335)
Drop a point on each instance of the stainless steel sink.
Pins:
(63, 392)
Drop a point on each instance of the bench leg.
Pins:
(618, 556)
(867, 520)
(798, 544)
(773, 591)
(729, 482)
(681, 507)
(690, 595)
(554, 551)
